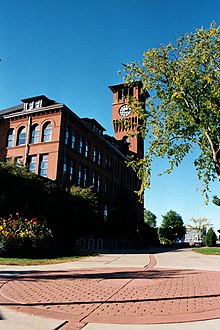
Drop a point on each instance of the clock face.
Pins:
(125, 110)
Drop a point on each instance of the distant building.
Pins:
(194, 237)
(55, 143)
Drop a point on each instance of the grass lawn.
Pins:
(31, 262)
(208, 250)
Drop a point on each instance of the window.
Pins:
(32, 163)
(73, 140)
(81, 145)
(43, 165)
(35, 134)
(99, 157)
(71, 170)
(94, 154)
(79, 180)
(93, 180)
(30, 105)
(10, 137)
(98, 183)
(21, 136)
(65, 165)
(87, 149)
(37, 104)
(47, 132)
(105, 213)
(85, 177)
(33, 104)
(19, 161)
(68, 134)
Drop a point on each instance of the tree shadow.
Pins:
(99, 274)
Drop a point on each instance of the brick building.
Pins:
(55, 143)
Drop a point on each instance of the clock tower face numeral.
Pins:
(125, 110)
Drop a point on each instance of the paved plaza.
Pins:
(139, 289)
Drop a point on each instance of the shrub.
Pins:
(210, 238)
(22, 237)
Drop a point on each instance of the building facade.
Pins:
(55, 143)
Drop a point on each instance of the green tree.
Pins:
(172, 227)
(210, 238)
(183, 111)
(150, 218)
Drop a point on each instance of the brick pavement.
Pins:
(148, 295)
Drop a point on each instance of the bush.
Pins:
(22, 237)
(210, 238)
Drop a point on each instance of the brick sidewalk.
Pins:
(117, 296)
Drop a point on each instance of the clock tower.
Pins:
(125, 121)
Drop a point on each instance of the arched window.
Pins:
(47, 132)
(21, 136)
(10, 137)
(35, 133)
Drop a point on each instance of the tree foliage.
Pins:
(199, 225)
(172, 227)
(184, 108)
(34, 196)
(150, 218)
(210, 238)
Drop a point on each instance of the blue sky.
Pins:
(71, 51)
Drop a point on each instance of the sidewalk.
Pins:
(119, 290)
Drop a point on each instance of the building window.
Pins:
(105, 213)
(79, 179)
(85, 177)
(71, 170)
(10, 137)
(37, 104)
(47, 132)
(98, 183)
(68, 134)
(32, 163)
(43, 165)
(81, 145)
(19, 161)
(94, 158)
(87, 149)
(73, 140)
(99, 157)
(33, 104)
(35, 132)
(21, 136)
(30, 105)
(93, 180)
(65, 166)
